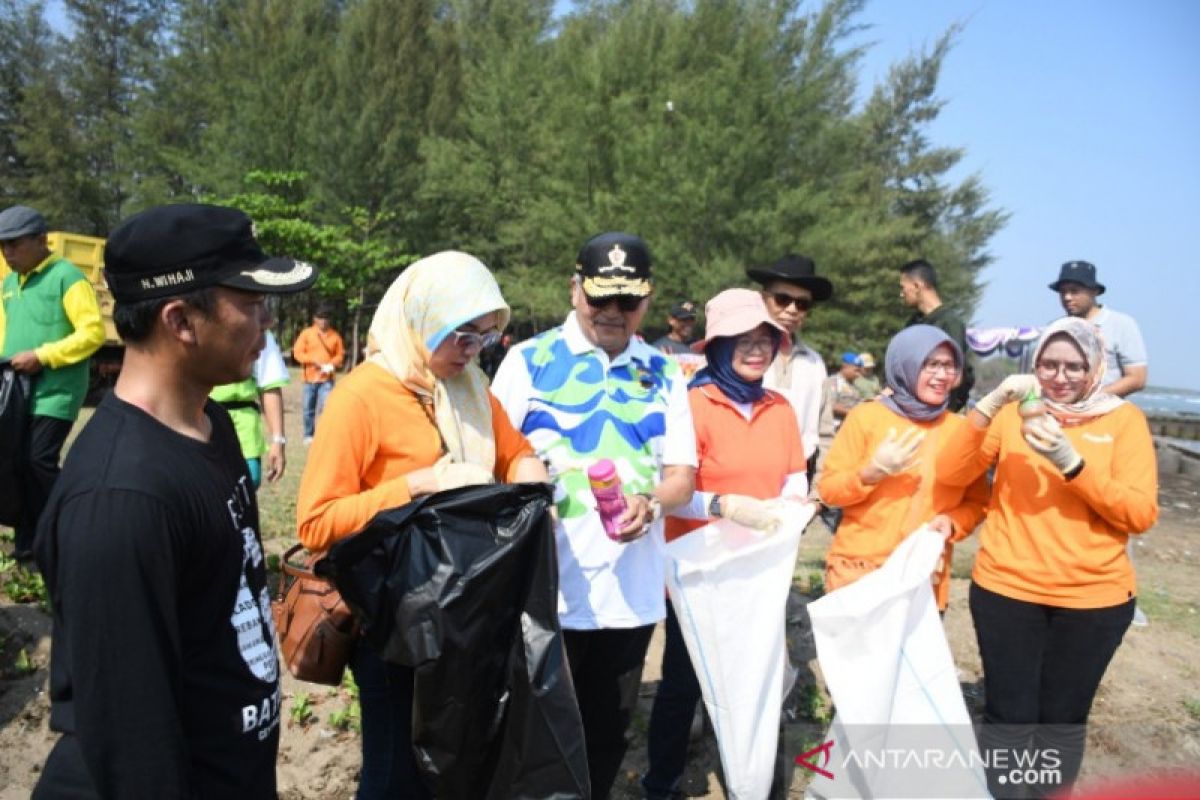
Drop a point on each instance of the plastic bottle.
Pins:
(606, 487)
(1031, 408)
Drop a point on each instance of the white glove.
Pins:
(1046, 436)
(753, 513)
(897, 453)
(1013, 388)
(327, 369)
(452, 475)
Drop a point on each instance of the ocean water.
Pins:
(1161, 401)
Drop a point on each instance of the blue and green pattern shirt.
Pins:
(576, 406)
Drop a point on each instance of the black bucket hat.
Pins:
(796, 269)
(1081, 272)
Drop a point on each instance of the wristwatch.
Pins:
(278, 439)
(714, 506)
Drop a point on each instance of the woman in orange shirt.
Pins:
(880, 469)
(415, 418)
(1053, 590)
(749, 451)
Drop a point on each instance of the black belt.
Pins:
(237, 405)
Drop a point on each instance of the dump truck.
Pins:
(87, 253)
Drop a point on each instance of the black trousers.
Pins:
(671, 717)
(1042, 666)
(44, 447)
(65, 775)
(606, 668)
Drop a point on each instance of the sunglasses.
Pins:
(783, 300)
(470, 339)
(625, 302)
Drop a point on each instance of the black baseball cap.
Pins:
(612, 264)
(685, 309)
(174, 249)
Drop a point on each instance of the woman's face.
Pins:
(753, 352)
(1062, 370)
(937, 376)
(456, 350)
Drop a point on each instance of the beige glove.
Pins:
(898, 452)
(1046, 436)
(753, 513)
(451, 475)
(1011, 389)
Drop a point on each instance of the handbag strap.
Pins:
(293, 571)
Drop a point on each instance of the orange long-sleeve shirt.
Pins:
(877, 517)
(314, 348)
(373, 434)
(1049, 540)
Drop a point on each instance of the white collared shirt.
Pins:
(799, 375)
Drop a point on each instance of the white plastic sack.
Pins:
(729, 586)
(901, 728)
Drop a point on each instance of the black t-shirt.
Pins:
(164, 663)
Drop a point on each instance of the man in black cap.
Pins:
(1124, 350)
(919, 291)
(164, 674)
(790, 287)
(51, 327)
(583, 392)
(680, 319)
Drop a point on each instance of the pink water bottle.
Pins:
(606, 487)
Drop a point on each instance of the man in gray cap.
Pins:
(164, 673)
(52, 325)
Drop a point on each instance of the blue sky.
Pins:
(1083, 119)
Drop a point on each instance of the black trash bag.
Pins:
(14, 428)
(463, 587)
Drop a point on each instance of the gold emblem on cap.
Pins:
(298, 273)
(616, 261)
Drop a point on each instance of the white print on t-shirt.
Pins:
(252, 616)
(262, 716)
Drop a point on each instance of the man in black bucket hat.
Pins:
(1125, 352)
(791, 287)
(164, 674)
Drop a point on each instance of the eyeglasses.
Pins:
(745, 345)
(468, 340)
(944, 367)
(783, 300)
(625, 302)
(1073, 370)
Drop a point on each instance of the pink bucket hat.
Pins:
(734, 312)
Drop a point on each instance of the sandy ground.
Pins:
(1146, 717)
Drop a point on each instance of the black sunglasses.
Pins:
(625, 302)
(783, 300)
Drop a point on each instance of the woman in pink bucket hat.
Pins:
(750, 454)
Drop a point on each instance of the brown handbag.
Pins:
(316, 628)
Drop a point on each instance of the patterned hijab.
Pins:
(1094, 402)
(906, 354)
(420, 310)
